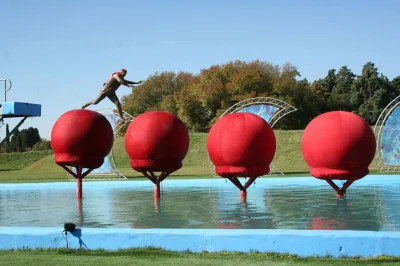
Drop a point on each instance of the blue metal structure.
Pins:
(16, 110)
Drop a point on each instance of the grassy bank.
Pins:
(40, 166)
(20, 160)
(154, 256)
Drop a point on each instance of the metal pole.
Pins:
(5, 87)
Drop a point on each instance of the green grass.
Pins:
(20, 160)
(155, 256)
(39, 166)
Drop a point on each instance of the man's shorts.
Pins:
(110, 94)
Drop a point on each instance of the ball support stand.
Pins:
(156, 181)
(79, 176)
(341, 192)
(243, 189)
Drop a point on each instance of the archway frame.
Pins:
(378, 128)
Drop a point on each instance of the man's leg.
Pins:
(114, 98)
(99, 98)
(87, 104)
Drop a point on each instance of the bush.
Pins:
(42, 145)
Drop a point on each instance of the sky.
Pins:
(59, 53)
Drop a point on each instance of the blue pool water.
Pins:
(372, 204)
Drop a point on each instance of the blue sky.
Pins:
(59, 53)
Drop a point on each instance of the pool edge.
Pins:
(303, 243)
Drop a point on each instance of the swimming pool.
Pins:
(303, 203)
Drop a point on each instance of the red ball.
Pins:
(338, 145)
(81, 138)
(156, 141)
(241, 144)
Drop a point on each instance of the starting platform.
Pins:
(19, 109)
(16, 110)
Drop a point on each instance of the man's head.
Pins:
(123, 72)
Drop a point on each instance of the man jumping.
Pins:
(109, 89)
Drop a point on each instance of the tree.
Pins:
(371, 92)
(199, 100)
(328, 83)
(299, 94)
(7, 144)
(211, 92)
(150, 94)
(24, 140)
(221, 86)
(169, 104)
(33, 137)
(341, 90)
(192, 112)
(395, 84)
(252, 78)
(14, 146)
(308, 103)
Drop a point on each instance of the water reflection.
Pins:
(316, 208)
(292, 207)
(178, 208)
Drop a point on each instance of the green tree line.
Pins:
(24, 140)
(200, 99)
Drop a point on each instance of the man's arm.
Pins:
(124, 81)
(133, 82)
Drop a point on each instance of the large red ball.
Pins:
(241, 144)
(338, 145)
(81, 138)
(156, 141)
